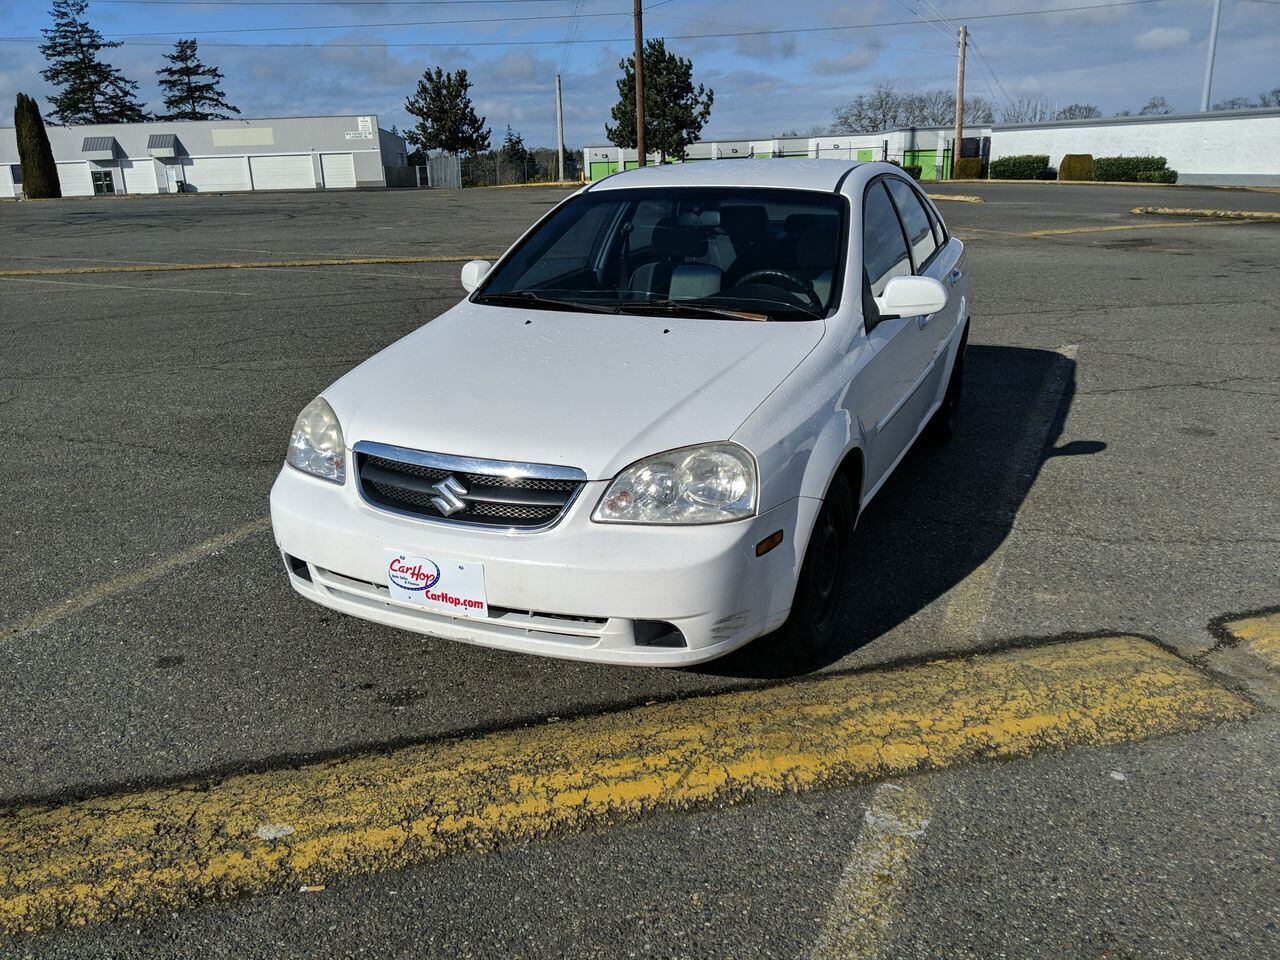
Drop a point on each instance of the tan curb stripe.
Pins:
(1260, 215)
(958, 197)
(166, 848)
(234, 265)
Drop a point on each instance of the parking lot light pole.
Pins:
(1213, 49)
(638, 14)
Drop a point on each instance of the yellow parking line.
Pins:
(1259, 634)
(1067, 231)
(166, 848)
(128, 581)
(232, 265)
(862, 908)
(957, 197)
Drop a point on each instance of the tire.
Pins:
(822, 596)
(942, 424)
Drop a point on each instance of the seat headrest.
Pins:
(672, 242)
(798, 223)
(745, 220)
(818, 248)
(700, 218)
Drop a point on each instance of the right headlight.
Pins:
(316, 446)
(709, 483)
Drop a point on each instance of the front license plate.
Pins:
(438, 583)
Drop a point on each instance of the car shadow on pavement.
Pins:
(946, 508)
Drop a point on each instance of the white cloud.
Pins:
(1161, 38)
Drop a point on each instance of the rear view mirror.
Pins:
(473, 271)
(911, 297)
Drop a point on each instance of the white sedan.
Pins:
(646, 434)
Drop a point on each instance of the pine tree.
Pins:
(446, 119)
(92, 91)
(191, 88)
(675, 111)
(39, 172)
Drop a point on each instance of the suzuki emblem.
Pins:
(451, 493)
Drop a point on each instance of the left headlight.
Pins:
(316, 446)
(710, 483)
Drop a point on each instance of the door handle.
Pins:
(954, 276)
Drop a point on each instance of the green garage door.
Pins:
(865, 155)
(602, 168)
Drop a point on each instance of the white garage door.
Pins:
(283, 173)
(339, 170)
(139, 176)
(213, 174)
(74, 179)
(6, 181)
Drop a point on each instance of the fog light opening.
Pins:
(298, 567)
(658, 633)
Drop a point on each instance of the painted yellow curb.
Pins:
(957, 197)
(1259, 634)
(167, 848)
(233, 265)
(513, 186)
(1216, 214)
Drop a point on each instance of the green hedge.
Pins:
(1030, 166)
(914, 170)
(1076, 166)
(1126, 168)
(1157, 176)
(968, 168)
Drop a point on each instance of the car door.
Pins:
(886, 395)
(932, 255)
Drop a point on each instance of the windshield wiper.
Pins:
(529, 298)
(700, 310)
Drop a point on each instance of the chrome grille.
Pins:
(491, 493)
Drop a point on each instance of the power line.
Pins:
(524, 43)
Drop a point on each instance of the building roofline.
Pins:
(155, 122)
(1149, 118)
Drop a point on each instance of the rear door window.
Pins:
(915, 220)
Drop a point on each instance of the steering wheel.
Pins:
(788, 281)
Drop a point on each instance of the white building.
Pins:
(1223, 147)
(282, 153)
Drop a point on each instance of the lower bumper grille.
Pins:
(490, 493)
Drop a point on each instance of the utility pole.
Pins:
(955, 147)
(559, 133)
(1213, 49)
(638, 15)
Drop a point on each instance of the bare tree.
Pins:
(885, 108)
(1234, 103)
(1078, 111)
(1270, 99)
(880, 109)
(1028, 109)
(1156, 107)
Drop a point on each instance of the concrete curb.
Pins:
(956, 197)
(1128, 183)
(1259, 215)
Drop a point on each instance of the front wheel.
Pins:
(822, 595)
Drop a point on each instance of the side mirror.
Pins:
(911, 297)
(473, 272)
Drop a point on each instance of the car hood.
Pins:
(585, 390)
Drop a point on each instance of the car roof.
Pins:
(794, 174)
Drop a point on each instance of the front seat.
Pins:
(817, 251)
(669, 276)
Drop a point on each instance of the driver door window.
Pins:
(884, 250)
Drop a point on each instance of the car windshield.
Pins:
(718, 252)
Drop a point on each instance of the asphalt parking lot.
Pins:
(1113, 477)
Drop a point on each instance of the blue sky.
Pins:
(364, 57)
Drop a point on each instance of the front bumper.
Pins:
(579, 590)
